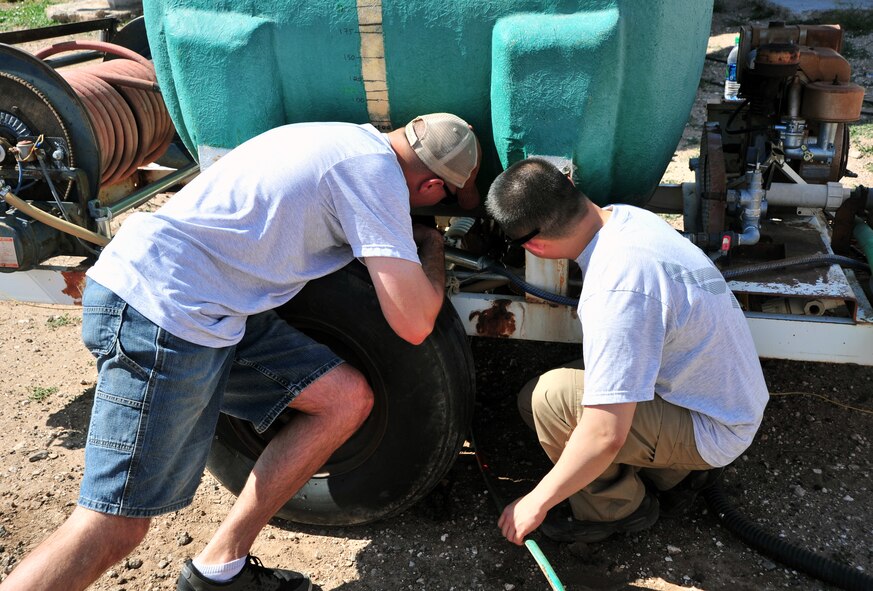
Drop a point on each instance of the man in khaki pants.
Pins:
(671, 387)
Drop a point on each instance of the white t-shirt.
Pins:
(290, 205)
(657, 316)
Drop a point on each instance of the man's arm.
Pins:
(592, 447)
(411, 295)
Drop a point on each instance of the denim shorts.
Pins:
(158, 398)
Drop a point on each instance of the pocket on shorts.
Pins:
(121, 336)
(100, 328)
(124, 379)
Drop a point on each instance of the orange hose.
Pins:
(131, 123)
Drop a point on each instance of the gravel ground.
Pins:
(806, 478)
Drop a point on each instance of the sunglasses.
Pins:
(522, 239)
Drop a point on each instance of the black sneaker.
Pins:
(678, 501)
(564, 528)
(253, 577)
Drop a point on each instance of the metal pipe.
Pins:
(812, 152)
(827, 134)
(106, 25)
(139, 197)
(830, 196)
(71, 60)
(465, 259)
(50, 220)
(753, 198)
(794, 99)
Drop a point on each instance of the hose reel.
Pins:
(68, 133)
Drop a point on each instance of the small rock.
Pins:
(133, 563)
(40, 455)
(668, 559)
(673, 549)
(184, 538)
(799, 491)
(848, 498)
(163, 564)
(509, 586)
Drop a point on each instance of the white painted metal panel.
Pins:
(62, 285)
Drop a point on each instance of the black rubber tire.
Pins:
(423, 408)
(133, 37)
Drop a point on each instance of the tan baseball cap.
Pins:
(446, 145)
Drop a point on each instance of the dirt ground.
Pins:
(806, 479)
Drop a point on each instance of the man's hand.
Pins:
(592, 447)
(521, 517)
(431, 251)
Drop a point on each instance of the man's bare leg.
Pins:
(88, 543)
(331, 410)
(78, 552)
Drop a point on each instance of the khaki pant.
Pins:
(660, 443)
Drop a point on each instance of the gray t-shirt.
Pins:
(657, 316)
(292, 204)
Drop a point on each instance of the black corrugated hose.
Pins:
(815, 565)
(814, 259)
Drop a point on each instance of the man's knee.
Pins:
(122, 534)
(136, 530)
(360, 393)
(342, 394)
(550, 397)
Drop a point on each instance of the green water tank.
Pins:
(607, 84)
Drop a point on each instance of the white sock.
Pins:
(220, 573)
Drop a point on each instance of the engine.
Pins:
(784, 145)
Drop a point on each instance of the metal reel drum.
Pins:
(35, 100)
(712, 183)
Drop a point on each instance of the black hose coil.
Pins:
(815, 565)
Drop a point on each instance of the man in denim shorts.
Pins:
(178, 311)
(670, 386)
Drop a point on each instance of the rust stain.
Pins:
(75, 285)
(496, 321)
